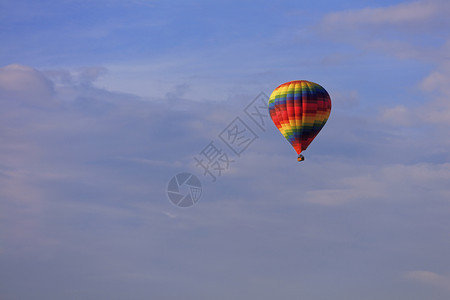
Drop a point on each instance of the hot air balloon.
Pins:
(299, 109)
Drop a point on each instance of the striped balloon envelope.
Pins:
(299, 109)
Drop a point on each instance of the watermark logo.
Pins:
(216, 157)
(237, 136)
(184, 189)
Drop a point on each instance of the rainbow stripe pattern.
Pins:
(299, 109)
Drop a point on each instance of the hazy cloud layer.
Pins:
(83, 191)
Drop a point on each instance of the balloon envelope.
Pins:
(299, 109)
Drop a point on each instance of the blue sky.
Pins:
(102, 102)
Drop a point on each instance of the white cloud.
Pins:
(399, 115)
(429, 278)
(25, 84)
(436, 107)
(439, 79)
(438, 82)
(403, 30)
(413, 12)
(82, 76)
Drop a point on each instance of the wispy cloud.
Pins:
(401, 30)
(430, 278)
(410, 12)
(436, 107)
(23, 83)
